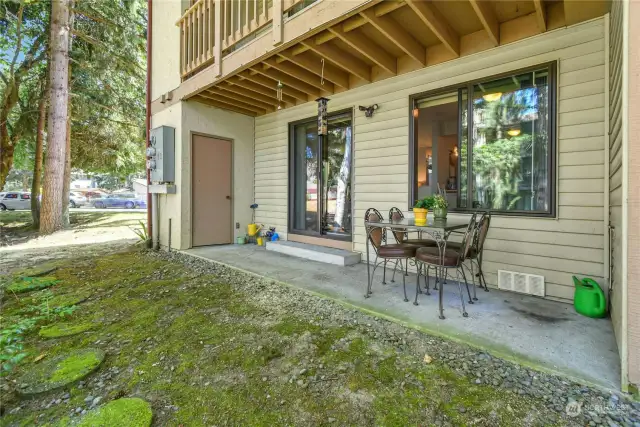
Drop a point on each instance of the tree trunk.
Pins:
(51, 215)
(343, 182)
(67, 162)
(7, 145)
(37, 163)
(67, 175)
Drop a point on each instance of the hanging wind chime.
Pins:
(279, 94)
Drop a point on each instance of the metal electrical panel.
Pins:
(161, 153)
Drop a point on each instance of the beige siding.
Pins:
(556, 248)
(615, 163)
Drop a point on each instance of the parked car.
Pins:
(15, 200)
(122, 200)
(76, 199)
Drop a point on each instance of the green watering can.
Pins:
(589, 299)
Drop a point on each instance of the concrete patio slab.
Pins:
(536, 332)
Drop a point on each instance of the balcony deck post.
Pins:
(217, 44)
(277, 22)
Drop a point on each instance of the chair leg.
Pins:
(426, 279)
(404, 284)
(440, 307)
(384, 273)
(473, 281)
(464, 310)
(406, 268)
(464, 276)
(394, 271)
(481, 273)
(435, 285)
(418, 290)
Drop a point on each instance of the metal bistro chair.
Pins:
(476, 251)
(444, 259)
(401, 236)
(378, 237)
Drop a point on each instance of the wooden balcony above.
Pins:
(235, 52)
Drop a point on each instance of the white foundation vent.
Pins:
(521, 282)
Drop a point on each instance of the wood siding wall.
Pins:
(573, 243)
(615, 163)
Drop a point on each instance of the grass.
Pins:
(206, 352)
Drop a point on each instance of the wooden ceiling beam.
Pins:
(314, 65)
(541, 15)
(221, 91)
(287, 80)
(379, 10)
(270, 83)
(269, 92)
(340, 58)
(433, 19)
(230, 87)
(488, 18)
(300, 73)
(363, 45)
(398, 35)
(221, 96)
(223, 105)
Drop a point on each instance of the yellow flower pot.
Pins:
(420, 215)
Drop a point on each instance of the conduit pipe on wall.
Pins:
(150, 205)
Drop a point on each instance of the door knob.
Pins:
(228, 197)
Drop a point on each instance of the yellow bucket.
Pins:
(252, 229)
(259, 241)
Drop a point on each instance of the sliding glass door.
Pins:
(320, 178)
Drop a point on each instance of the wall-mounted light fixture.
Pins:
(416, 112)
(368, 111)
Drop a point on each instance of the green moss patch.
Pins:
(59, 330)
(130, 412)
(59, 371)
(68, 300)
(28, 284)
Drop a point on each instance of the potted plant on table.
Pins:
(440, 207)
(421, 209)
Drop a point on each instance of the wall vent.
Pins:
(521, 282)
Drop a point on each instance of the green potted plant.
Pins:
(440, 207)
(421, 209)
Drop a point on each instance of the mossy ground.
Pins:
(59, 330)
(205, 352)
(59, 371)
(130, 412)
(29, 284)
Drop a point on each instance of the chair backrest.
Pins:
(468, 238)
(377, 235)
(396, 214)
(483, 230)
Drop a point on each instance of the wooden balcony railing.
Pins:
(211, 28)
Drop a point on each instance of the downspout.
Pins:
(150, 207)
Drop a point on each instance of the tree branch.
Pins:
(18, 39)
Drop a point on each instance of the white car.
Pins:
(76, 199)
(13, 200)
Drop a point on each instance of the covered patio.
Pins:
(532, 331)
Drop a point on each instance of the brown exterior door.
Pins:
(211, 161)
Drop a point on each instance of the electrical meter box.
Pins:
(161, 154)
